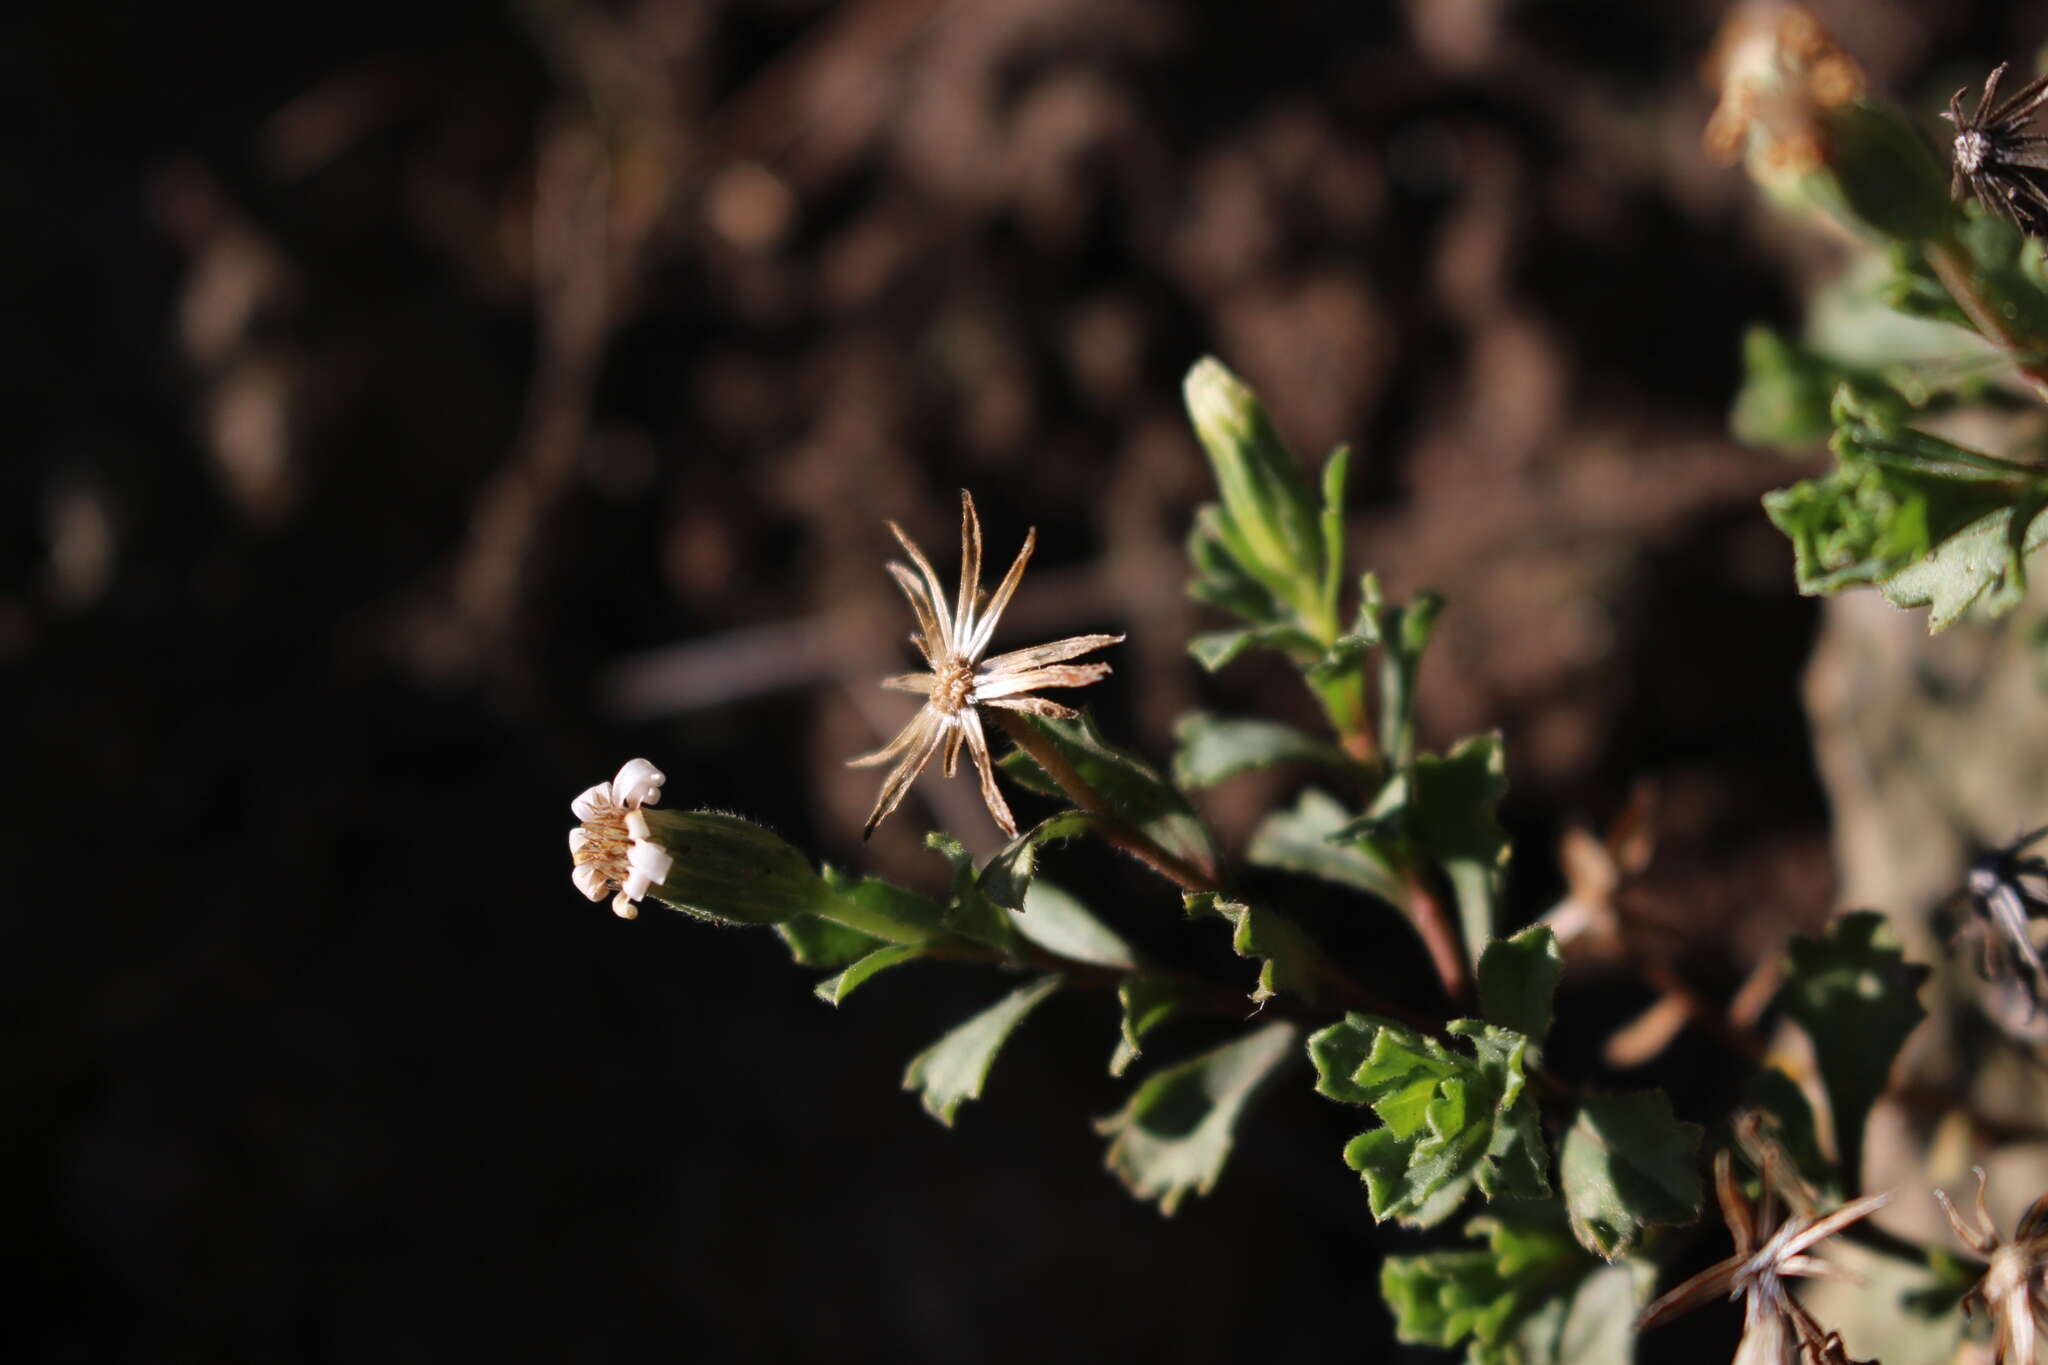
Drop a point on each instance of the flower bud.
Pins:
(1269, 521)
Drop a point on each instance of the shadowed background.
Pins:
(418, 410)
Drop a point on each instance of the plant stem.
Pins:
(1433, 923)
(1115, 830)
(1953, 270)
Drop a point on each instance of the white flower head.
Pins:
(613, 849)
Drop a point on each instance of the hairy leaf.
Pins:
(1627, 1163)
(1518, 979)
(1213, 748)
(1857, 997)
(1303, 840)
(879, 911)
(1449, 1121)
(953, 1070)
(1176, 1132)
(1289, 960)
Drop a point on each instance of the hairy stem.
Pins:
(1115, 830)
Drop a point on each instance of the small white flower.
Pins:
(613, 847)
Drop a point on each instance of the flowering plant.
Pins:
(1574, 1200)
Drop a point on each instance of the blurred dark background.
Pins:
(416, 410)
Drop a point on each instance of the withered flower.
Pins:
(958, 680)
(1776, 1329)
(2014, 1289)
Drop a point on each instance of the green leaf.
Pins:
(876, 912)
(1404, 633)
(1268, 522)
(1451, 819)
(1133, 790)
(1176, 1132)
(1856, 996)
(1450, 1122)
(969, 912)
(953, 1070)
(1517, 980)
(1008, 875)
(1532, 1297)
(834, 989)
(1289, 960)
(1628, 1163)
(1058, 923)
(816, 942)
(1148, 1001)
(1300, 840)
(1213, 749)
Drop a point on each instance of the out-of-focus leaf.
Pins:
(1449, 1121)
(1898, 496)
(1787, 397)
(1289, 960)
(1008, 875)
(1857, 997)
(1518, 979)
(1300, 840)
(953, 1070)
(1176, 1132)
(1213, 748)
(1058, 923)
(1336, 471)
(835, 989)
(1133, 790)
(1627, 1163)
(1998, 256)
